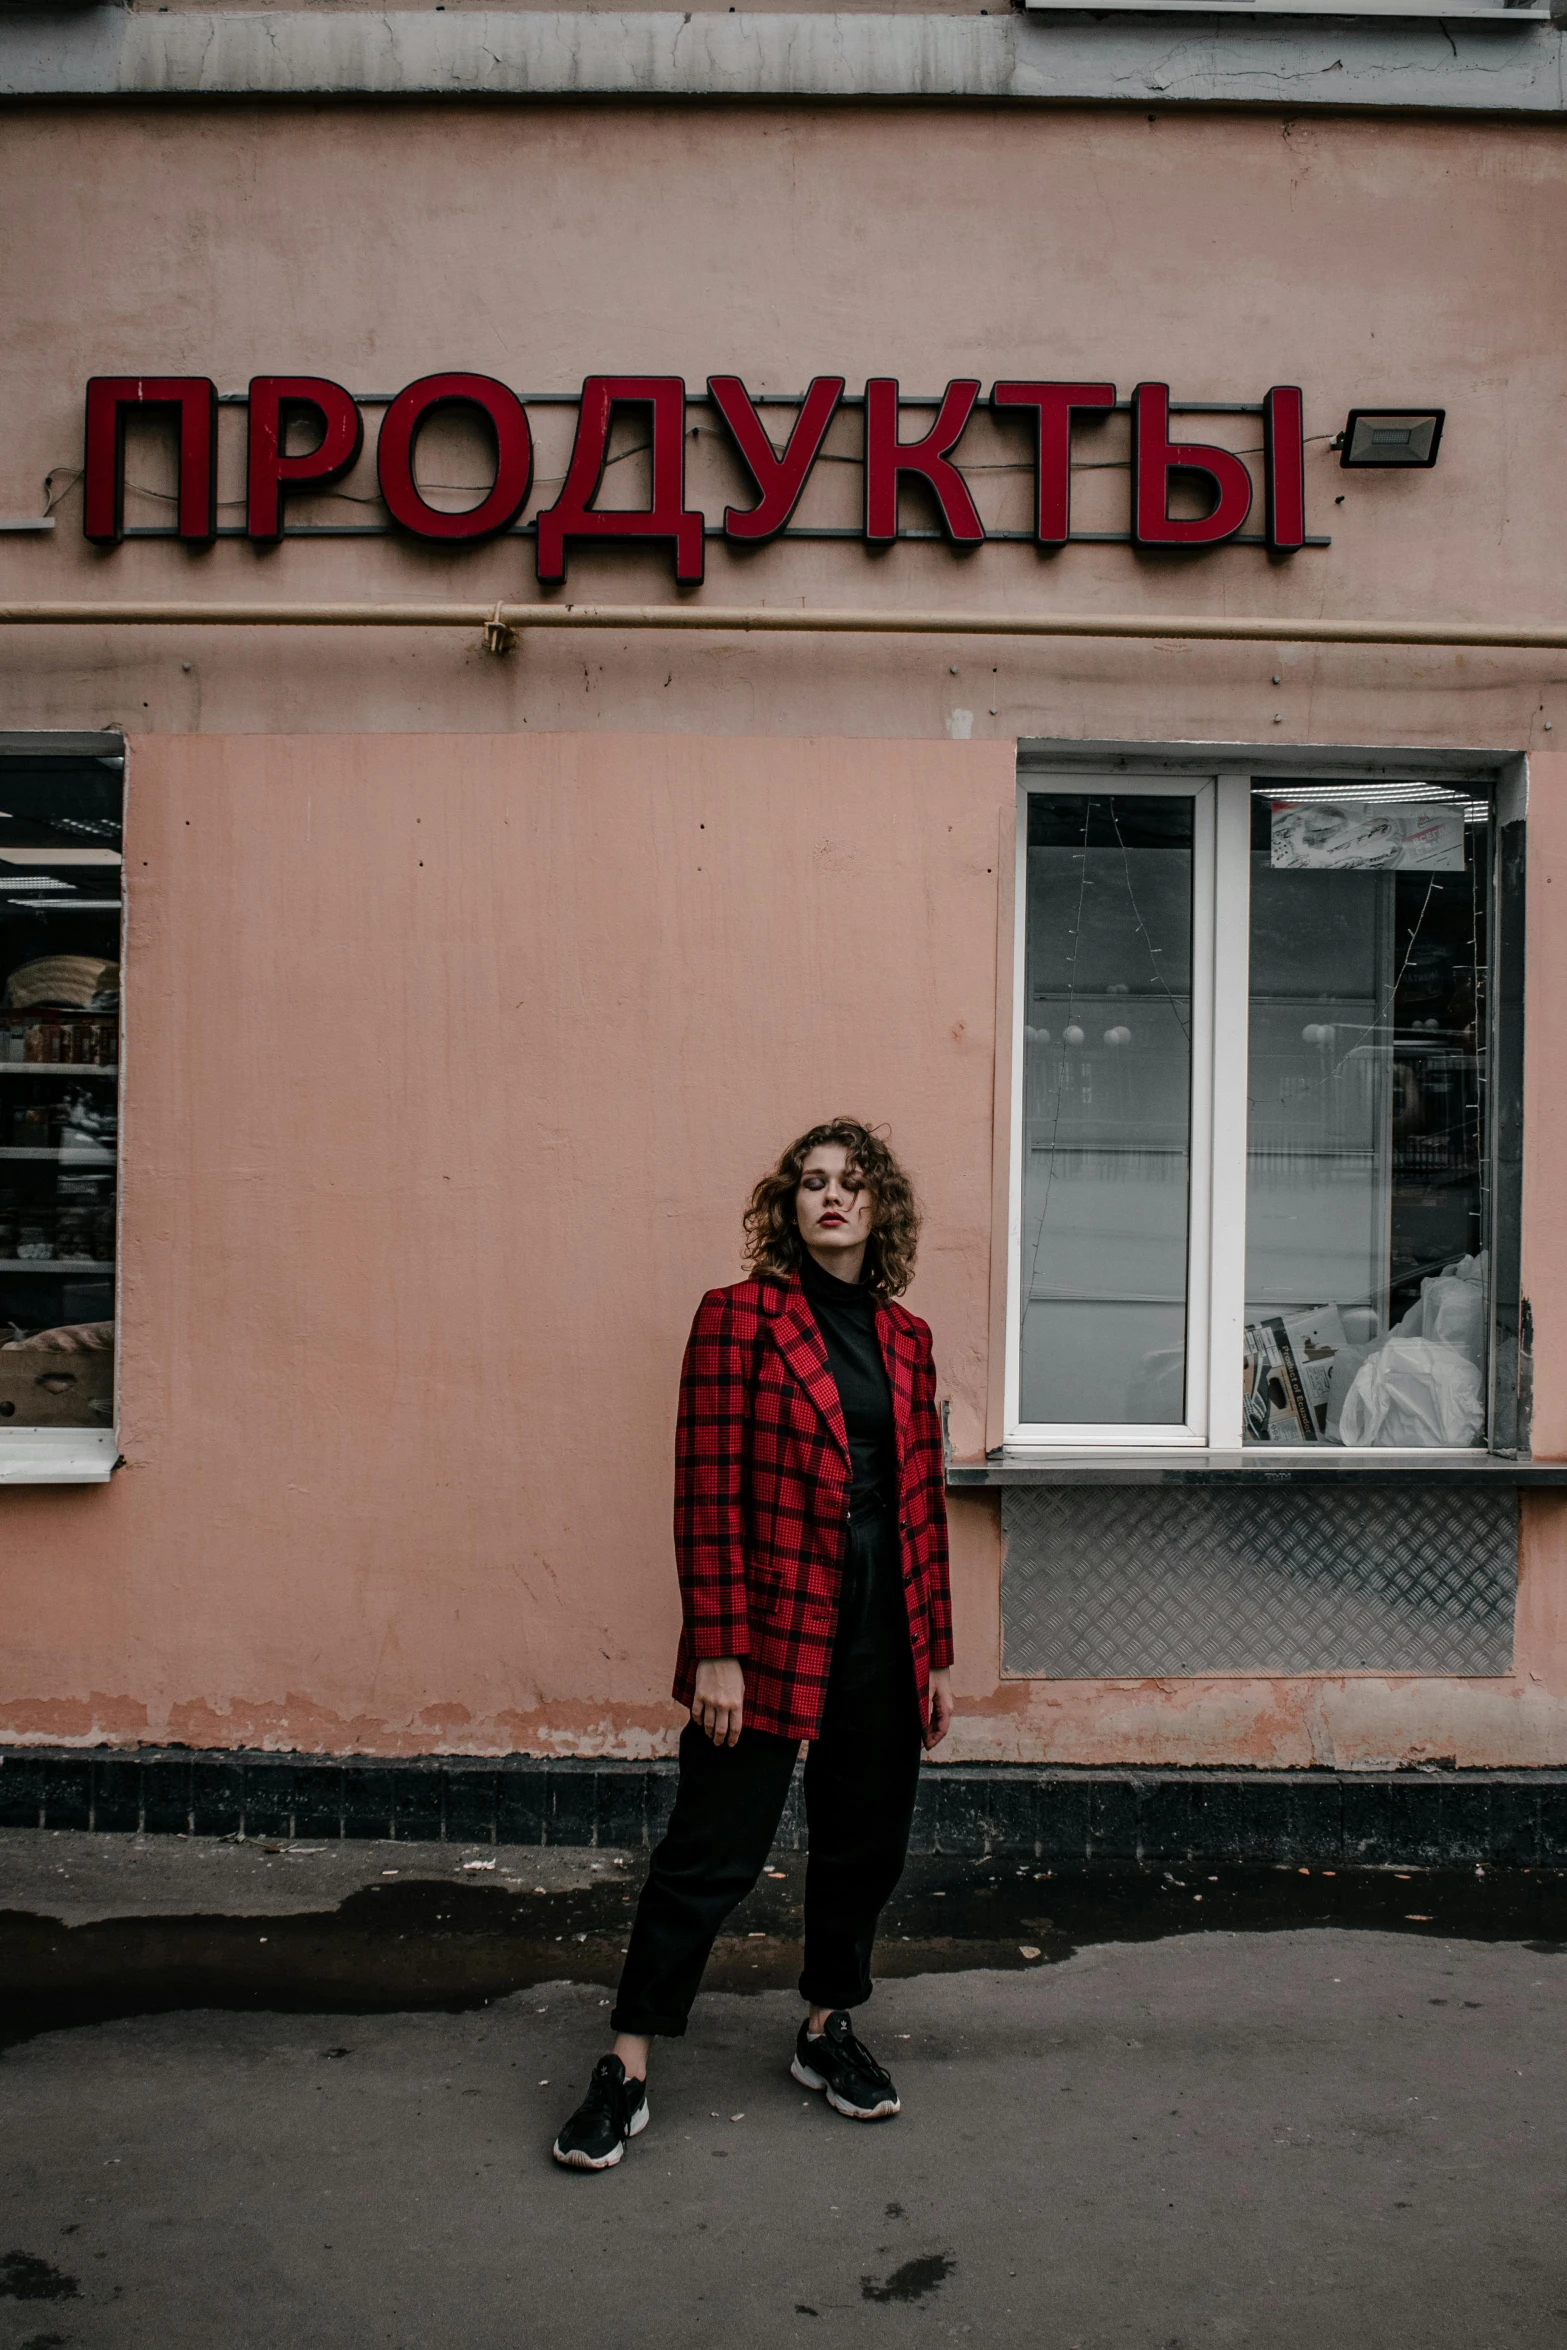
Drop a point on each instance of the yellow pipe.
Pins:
(503, 618)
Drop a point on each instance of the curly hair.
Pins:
(772, 1235)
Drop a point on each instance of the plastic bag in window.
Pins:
(1414, 1391)
(1341, 1380)
(1455, 1316)
(1451, 1309)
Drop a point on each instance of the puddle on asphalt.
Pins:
(428, 1944)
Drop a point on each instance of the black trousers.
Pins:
(861, 1773)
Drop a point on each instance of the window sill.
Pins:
(57, 1456)
(1263, 1466)
(1366, 12)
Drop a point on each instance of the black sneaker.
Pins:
(835, 2061)
(613, 2110)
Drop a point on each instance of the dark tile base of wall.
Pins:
(1416, 1818)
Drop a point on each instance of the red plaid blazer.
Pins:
(762, 1477)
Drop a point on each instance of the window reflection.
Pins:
(1107, 1108)
(1367, 1197)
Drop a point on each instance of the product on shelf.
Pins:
(31, 1124)
(81, 983)
(73, 1235)
(85, 1232)
(66, 1338)
(59, 1378)
(85, 1130)
(72, 1038)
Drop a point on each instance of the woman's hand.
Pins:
(719, 1702)
(940, 1708)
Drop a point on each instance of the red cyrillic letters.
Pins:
(667, 516)
(273, 400)
(1284, 467)
(394, 452)
(1053, 407)
(194, 400)
(779, 479)
(1155, 457)
(887, 459)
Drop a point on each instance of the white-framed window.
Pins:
(61, 869)
(1253, 1164)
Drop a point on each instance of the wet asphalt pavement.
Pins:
(257, 2098)
(93, 1927)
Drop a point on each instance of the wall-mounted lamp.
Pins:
(1391, 436)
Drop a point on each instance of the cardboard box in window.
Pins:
(1288, 1376)
(44, 1387)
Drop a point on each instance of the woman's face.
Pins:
(835, 1209)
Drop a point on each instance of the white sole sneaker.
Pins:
(854, 2113)
(603, 2161)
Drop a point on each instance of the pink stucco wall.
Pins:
(466, 997)
(1369, 260)
(450, 1067)
(450, 1063)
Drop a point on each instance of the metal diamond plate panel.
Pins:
(1103, 1582)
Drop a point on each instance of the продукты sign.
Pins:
(1043, 416)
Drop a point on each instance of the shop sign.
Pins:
(1044, 413)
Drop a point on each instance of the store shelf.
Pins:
(103, 1158)
(68, 1265)
(59, 1069)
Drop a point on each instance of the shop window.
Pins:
(1255, 1174)
(60, 906)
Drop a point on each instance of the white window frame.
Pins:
(1194, 1430)
(1216, 1240)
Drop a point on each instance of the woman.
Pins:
(811, 1536)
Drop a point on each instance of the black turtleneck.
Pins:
(845, 1314)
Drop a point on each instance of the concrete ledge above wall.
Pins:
(1505, 67)
(1420, 1818)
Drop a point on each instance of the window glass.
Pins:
(1107, 1069)
(1367, 1234)
(60, 874)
